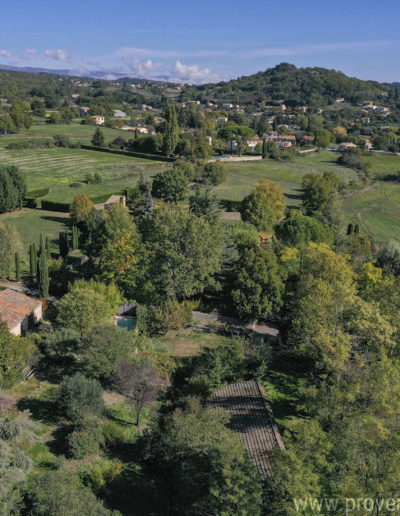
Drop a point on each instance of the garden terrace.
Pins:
(252, 417)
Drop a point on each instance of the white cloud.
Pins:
(32, 51)
(141, 68)
(58, 54)
(5, 53)
(191, 74)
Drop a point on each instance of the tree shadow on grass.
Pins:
(65, 221)
(44, 411)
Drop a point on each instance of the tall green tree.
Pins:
(63, 244)
(171, 185)
(257, 287)
(32, 260)
(171, 131)
(184, 251)
(43, 281)
(17, 267)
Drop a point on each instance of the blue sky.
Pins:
(205, 41)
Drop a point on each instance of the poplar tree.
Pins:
(171, 131)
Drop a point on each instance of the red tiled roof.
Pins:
(252, 417)
(14, 307)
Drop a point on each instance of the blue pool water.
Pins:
(129, 324)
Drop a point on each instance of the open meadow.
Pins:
(242, 176)
(63, 171)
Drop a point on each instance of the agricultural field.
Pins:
(75, 132)
(58, 168)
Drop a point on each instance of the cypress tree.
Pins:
(147, 204)
(43, 277)
(63, 245)
(33, 259)
(31, 264)
(48, 252)
(41, 247)
(356, 229)
(264, 149)
(350, 229)
(17, 267)
(75, 243)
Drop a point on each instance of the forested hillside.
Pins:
(299, 86)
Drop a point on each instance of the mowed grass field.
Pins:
(243, 176)
(376, 210)
(31, 223)
(57, 169)
(75, 132)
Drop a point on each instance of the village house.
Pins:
(19, 311)
(83, 110)
(99, 119)
(368, 143)
(253, 142)
(119, 114)
(140, 130)
(381, 110)
(226, 105)
(222, 120)
(308, 139)
(285, 138)
(271, 136)
(346, 145)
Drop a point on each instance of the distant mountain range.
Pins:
(94, 74)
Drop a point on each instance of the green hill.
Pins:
(297, 86)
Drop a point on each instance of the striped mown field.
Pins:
(57, 168)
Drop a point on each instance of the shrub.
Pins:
(79, 396)
(86, 438)
(215, 173)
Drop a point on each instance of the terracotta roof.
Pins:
(252, 417)
(231, 215)
(287, 137)
(14, 307)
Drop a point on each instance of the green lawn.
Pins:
(30, 223)
(377, 211)
(244, 175)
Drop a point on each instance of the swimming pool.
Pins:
(127, 322)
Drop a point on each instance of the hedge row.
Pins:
(56, 206)
(153, 157)
(37, 192)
